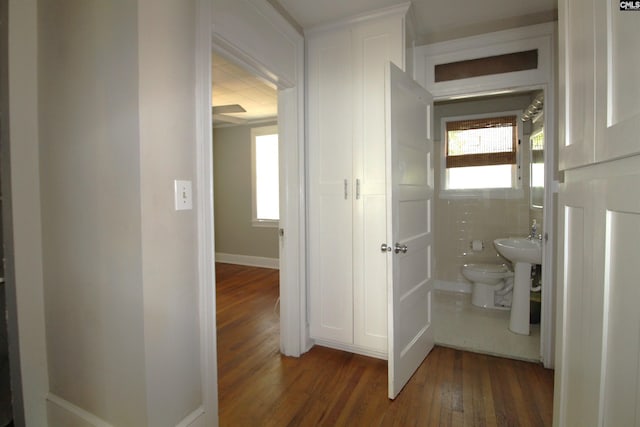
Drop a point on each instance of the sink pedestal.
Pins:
(519, 322)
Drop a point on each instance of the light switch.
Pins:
(183, 195)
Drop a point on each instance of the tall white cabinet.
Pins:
(347, 182)
(597, 378)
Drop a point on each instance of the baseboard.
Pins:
(63, 413)
(194, 419)
(351, 349)
(443, 285)
(252, 261)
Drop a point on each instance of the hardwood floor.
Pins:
(325, 387)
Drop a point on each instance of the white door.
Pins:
(409, 226)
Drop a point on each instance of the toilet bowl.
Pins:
(492, 285)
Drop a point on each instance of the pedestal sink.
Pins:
(523, 252)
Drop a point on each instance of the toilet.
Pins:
(492, 285)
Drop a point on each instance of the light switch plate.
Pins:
(183, 195)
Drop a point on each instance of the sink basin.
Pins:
(520, 249)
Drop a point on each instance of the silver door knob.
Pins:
(385, 248)
(400, 248)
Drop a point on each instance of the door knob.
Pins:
(400, 248)
(385, 248)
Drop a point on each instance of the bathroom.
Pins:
(468, 221)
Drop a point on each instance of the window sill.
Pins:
(265, 223)
(483, 193)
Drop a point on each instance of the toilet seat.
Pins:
(490, 274)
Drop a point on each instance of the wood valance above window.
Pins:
(498, 64)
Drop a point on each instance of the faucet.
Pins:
(534, 231)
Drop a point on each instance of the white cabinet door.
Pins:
(409, 215)
(599, 96)
(375, 43)
(618, 220)
(347, 182)
(597, 379)
(598, 330)
(617, 76)
(331, 187)
(576, 83)
(579, 304)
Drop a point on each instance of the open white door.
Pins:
(409, 109)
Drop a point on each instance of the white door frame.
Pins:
(294, 338)
(543, 38)
(547, 317)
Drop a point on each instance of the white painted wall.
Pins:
(259, 32)
(91, 206)
(169, 240)
(25, 184)
(117, 125)
(103, 119)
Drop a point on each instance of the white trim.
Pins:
(254, 122)
(545, 37)
(194, 419)
(251, 261)
(483, 193)
(77, 412)
(450, 286)
(351, 349)
(399, 9)
(204, 213)
(540, 37)
(265, 223)
(550, 218)
(230, 35)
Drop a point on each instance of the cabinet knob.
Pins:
(385, 248)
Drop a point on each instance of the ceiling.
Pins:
(436, 20)
(233, 85)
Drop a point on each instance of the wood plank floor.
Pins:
(325, 387)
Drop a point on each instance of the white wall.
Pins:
(25, 185)
(117, 126)
(91, 206)
(102, 120)
(169, 239)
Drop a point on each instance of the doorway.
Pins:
(469, 220)
(245, 157)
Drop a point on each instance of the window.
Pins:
(480, 153)
(265, 181)
(537, 169)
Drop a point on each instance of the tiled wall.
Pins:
(459, 221)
